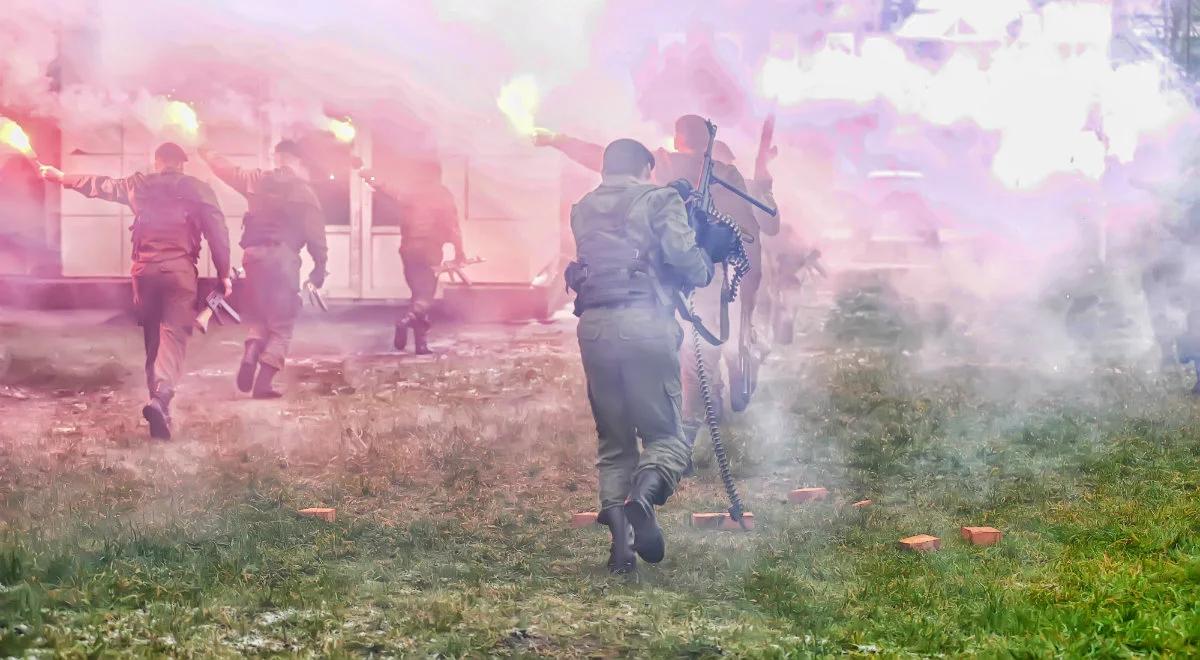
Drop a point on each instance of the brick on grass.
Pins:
(584, 519)
(721, 520)
(921, 543)
(981, 535)
(804, 495)
(328, 515)
(862, 504)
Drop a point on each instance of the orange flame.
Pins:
(519, 100)
(183, 117)
(12, 135)
(343, 130)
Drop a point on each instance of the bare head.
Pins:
(722, 153)
(288, 155)
(169, 157)
(629, 158)
(691, 134)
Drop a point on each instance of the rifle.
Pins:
(702, 212)
(215, 305)
(454, 269)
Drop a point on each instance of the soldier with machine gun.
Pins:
(635, 251)
(692, 142)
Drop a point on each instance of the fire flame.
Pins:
(519, 101)
(12, 135)
(343, 130)
(183, 117)
(1049, 91)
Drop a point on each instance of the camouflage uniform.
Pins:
(629, 338)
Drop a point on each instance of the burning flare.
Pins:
(183, 117)
(519, 101)
(12, 135)
(343, 130)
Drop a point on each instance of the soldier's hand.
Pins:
(317, 278)
(50, 173)
(227, 283)
(544, 138)
(368, 175)
(718, 240)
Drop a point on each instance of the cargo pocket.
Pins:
(590, 328)
(674, 391)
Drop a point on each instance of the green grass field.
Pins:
(454, 480)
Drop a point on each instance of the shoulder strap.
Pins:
(687, 311)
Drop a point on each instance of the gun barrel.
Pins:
(228, 309)
(734, 189)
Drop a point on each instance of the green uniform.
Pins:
(634, 247)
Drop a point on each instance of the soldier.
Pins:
(171, 211)
(284, 216)
(428, 220)
(744, 357)
(634, 249)
(686, 162)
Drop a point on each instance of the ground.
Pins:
(454, 479)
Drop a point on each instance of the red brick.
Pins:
(921, 543)
(803, 495)
(328, 515)
(862, 504)
(721, 521)
(584, 518)
(981, 535)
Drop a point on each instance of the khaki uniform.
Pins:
(284, 216)
(172, 211)
(630, 349)
(428, 220)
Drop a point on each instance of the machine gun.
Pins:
(703, 214)
(215, 305)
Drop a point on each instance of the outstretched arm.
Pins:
(89, 185)
(587, 154)
(238, 178)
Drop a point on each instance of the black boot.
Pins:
(649, 489)
(245, 374)
(158, 413)
(621, 558)
(400, 340)
(262, 385)
(420, 328)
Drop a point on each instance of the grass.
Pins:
(454, 479)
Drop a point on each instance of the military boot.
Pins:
(621, 558)
(649, 490)
(420, 328)
(400, 339)
(158, 413)
(245, 374)
(262, 385)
